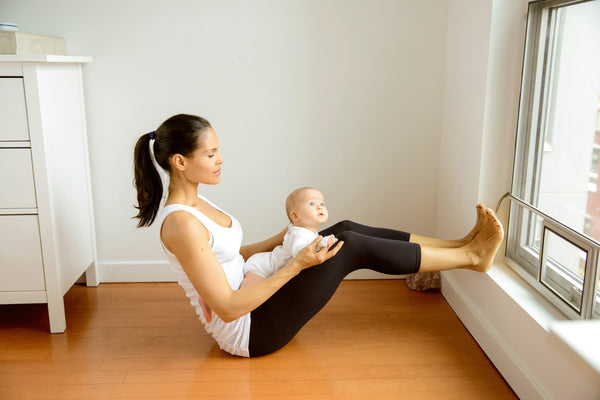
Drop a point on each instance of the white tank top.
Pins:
(232, 337)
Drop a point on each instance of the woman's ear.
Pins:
(178, 162)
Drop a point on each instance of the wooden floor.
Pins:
(374, 340)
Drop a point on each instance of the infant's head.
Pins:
(305, 207)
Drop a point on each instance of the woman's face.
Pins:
(204, 164)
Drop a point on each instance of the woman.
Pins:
(203, 244)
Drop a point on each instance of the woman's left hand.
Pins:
(310, 256)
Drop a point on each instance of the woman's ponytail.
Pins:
(148, 182)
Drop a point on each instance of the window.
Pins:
(554, 227)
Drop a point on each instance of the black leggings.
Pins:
(278, 320)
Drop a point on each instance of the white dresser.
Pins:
(47, 237)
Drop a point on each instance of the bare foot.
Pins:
(481, 221)
(486, 242)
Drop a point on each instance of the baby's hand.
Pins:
(327, 241)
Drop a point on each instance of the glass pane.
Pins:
(523, 247)
(531, 228)
(570, 152)
(564, 268)
(535, 239)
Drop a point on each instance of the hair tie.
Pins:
(152, 135)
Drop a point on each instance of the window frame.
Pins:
(521, 254)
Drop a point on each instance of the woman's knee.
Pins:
(348, 237)
(342, 226)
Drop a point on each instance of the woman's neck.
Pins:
(184, 193)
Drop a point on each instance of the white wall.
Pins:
(343, 95)
(462, 123)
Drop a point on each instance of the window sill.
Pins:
(529, 299)
(580, 336)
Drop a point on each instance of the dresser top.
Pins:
(44, 58)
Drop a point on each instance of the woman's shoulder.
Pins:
(180, 225)
(180, 215)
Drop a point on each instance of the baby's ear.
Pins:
(293, 216)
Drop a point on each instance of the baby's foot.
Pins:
(331, 240)
(486, 242)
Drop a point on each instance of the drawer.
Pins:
(17, 189)
(13, 111)
(20, 254)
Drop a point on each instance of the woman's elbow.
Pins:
(227, 318)
(231, 309)
(230, 318)
(228, 315)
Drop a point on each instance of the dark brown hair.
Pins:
(179, 134)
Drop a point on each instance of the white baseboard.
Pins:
(493, 344)
(135, 271)
(160, 271)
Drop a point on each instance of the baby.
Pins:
(305, 208)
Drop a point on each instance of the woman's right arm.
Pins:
(188, 239)
(266, 245)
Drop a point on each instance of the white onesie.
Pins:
(296, 238)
